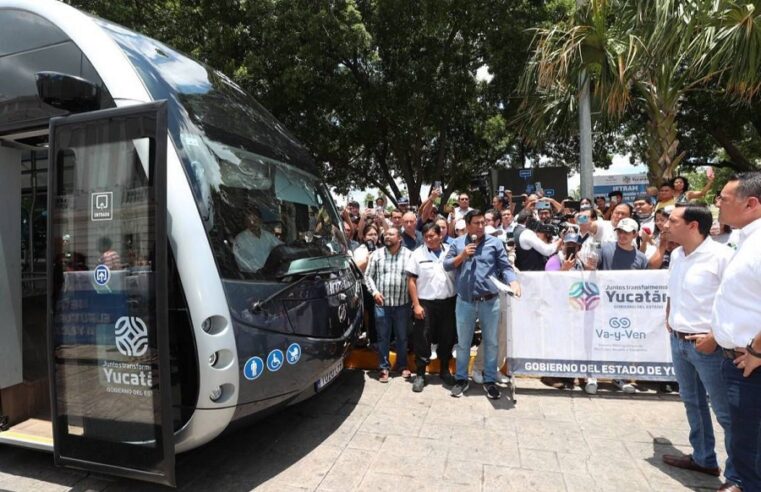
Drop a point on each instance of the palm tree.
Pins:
(641, 56)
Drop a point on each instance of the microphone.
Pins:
(473, 239)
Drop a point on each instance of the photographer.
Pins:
(615, 197)
(371, 216)
(567, 257)
(533, 243)
(428, 211)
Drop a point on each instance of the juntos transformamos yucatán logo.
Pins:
(131, 336)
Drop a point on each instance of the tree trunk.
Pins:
(662, 142)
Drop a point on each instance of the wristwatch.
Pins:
(750, 350)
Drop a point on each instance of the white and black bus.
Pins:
(170, 262)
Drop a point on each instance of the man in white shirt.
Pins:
(508, 225)
(532, 250)
(253, 245)
(433, 298)
(737, 325)
(463, 202)
(696, 271)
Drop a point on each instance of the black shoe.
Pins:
(459, 388)
(418, 384)
(447, 378)
(492, 392)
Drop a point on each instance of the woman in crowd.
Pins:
(362, 256)
(682, 189)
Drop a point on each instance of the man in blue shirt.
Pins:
(475, 257)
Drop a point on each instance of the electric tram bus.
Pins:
(170, 262)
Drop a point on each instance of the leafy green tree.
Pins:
(644, 59)
(378, 90)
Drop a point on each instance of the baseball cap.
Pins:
(489, 230)
(404, 201)
(460, 224)
(627, 225)
(571, 237)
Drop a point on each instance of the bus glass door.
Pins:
(107, 312)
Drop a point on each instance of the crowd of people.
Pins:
(435, 272)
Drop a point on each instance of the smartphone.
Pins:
(501, 192)
(573, 204)
(582, 219)
(540, 205)
(709, 172)
(437, 185)
(370, 204)
(538, 188)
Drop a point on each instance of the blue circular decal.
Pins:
(293, 354)
(102, 274)
(275, 360)
(254, 368)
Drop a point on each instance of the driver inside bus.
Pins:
(253, 245)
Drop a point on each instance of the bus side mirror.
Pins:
(67, 92)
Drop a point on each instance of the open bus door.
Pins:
(107, 295)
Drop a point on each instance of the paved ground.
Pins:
(365, 435)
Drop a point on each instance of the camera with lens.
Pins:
(550, 230)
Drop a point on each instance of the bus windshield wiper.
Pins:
(258, 305)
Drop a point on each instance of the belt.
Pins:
(731, 353)
(487, 297)
(683, 336)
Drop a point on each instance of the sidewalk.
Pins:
(364, 435)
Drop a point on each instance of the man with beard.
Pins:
(386, 279)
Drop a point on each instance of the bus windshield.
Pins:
(267, 214)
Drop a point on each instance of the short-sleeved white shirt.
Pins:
(693, 281)
(433, 282)
(737, 306)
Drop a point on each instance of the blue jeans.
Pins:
(487, 313)
(392, 319)
(698, 373)
(744, 396)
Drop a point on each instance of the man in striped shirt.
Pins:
(386, 279)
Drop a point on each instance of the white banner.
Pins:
(606, 324)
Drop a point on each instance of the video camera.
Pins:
(551, 230)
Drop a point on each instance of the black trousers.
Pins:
(438, 325)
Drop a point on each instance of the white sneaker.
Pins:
(502, 378)
(591, 386)
(624, 386)
(434, 347)
(477, 376)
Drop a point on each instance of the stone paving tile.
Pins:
(364, 435)
(348, 470)
(511, 479)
